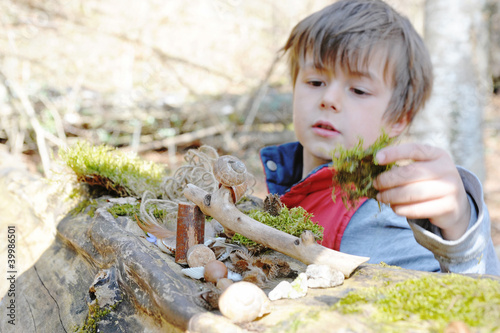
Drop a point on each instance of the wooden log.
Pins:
(219, 205)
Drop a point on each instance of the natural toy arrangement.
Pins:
(205, 217)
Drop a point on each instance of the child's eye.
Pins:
(359, 92)
(315, 83)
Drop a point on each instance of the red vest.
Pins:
(314, 194)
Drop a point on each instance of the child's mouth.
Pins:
(324, 129)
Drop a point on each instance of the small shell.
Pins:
(243, 302)
(230, 171)
(194, 272)
(239, 191)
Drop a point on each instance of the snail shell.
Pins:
(243, 302)
(230, 171)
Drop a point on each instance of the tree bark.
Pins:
(456, 33)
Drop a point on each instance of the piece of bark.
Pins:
(190, 230)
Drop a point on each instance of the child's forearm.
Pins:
(473, 252)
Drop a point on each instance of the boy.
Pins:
(358, 69)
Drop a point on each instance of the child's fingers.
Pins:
(406, 174)
(416, 192)
(408, 151)
(421, 210)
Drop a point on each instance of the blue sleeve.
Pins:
(417, 244)
(385, 237)
(474, 251)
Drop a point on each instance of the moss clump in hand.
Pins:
(292, 221)
(355, 169)
(107, 168)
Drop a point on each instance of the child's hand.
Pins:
(430, 187)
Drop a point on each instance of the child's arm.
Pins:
(429, 188)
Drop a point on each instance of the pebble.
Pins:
(323, 276)
(285, 289)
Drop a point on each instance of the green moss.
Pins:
(356, 168)
(298, 321)
(428, 303)
(96, 313)
(115, 172)
(134, 210)
(85, 206)
(292, 221)
(383, 264)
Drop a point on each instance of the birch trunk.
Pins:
(456, 33)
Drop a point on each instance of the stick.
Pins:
(220, 206)
(183, 138)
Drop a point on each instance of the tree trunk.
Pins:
(456, 33)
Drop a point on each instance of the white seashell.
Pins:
(243, 302)
(285, 289)
(194, 272)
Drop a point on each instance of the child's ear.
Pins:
(396, 128)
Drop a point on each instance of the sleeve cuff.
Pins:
(464, 254)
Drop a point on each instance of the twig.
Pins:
(182, 138)
(259, 96)
(28, 110)
(57, 119)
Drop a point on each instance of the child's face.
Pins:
(337, 109)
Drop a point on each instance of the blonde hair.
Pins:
(348, 32)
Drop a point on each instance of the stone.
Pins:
(199, 255)
(323, 276)
(285, 289)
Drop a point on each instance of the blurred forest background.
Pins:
(159, 77)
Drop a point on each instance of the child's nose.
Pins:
(331, 99)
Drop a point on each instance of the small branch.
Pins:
(183, 138)
(15, 91)
(259, 96)
(305, 248)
